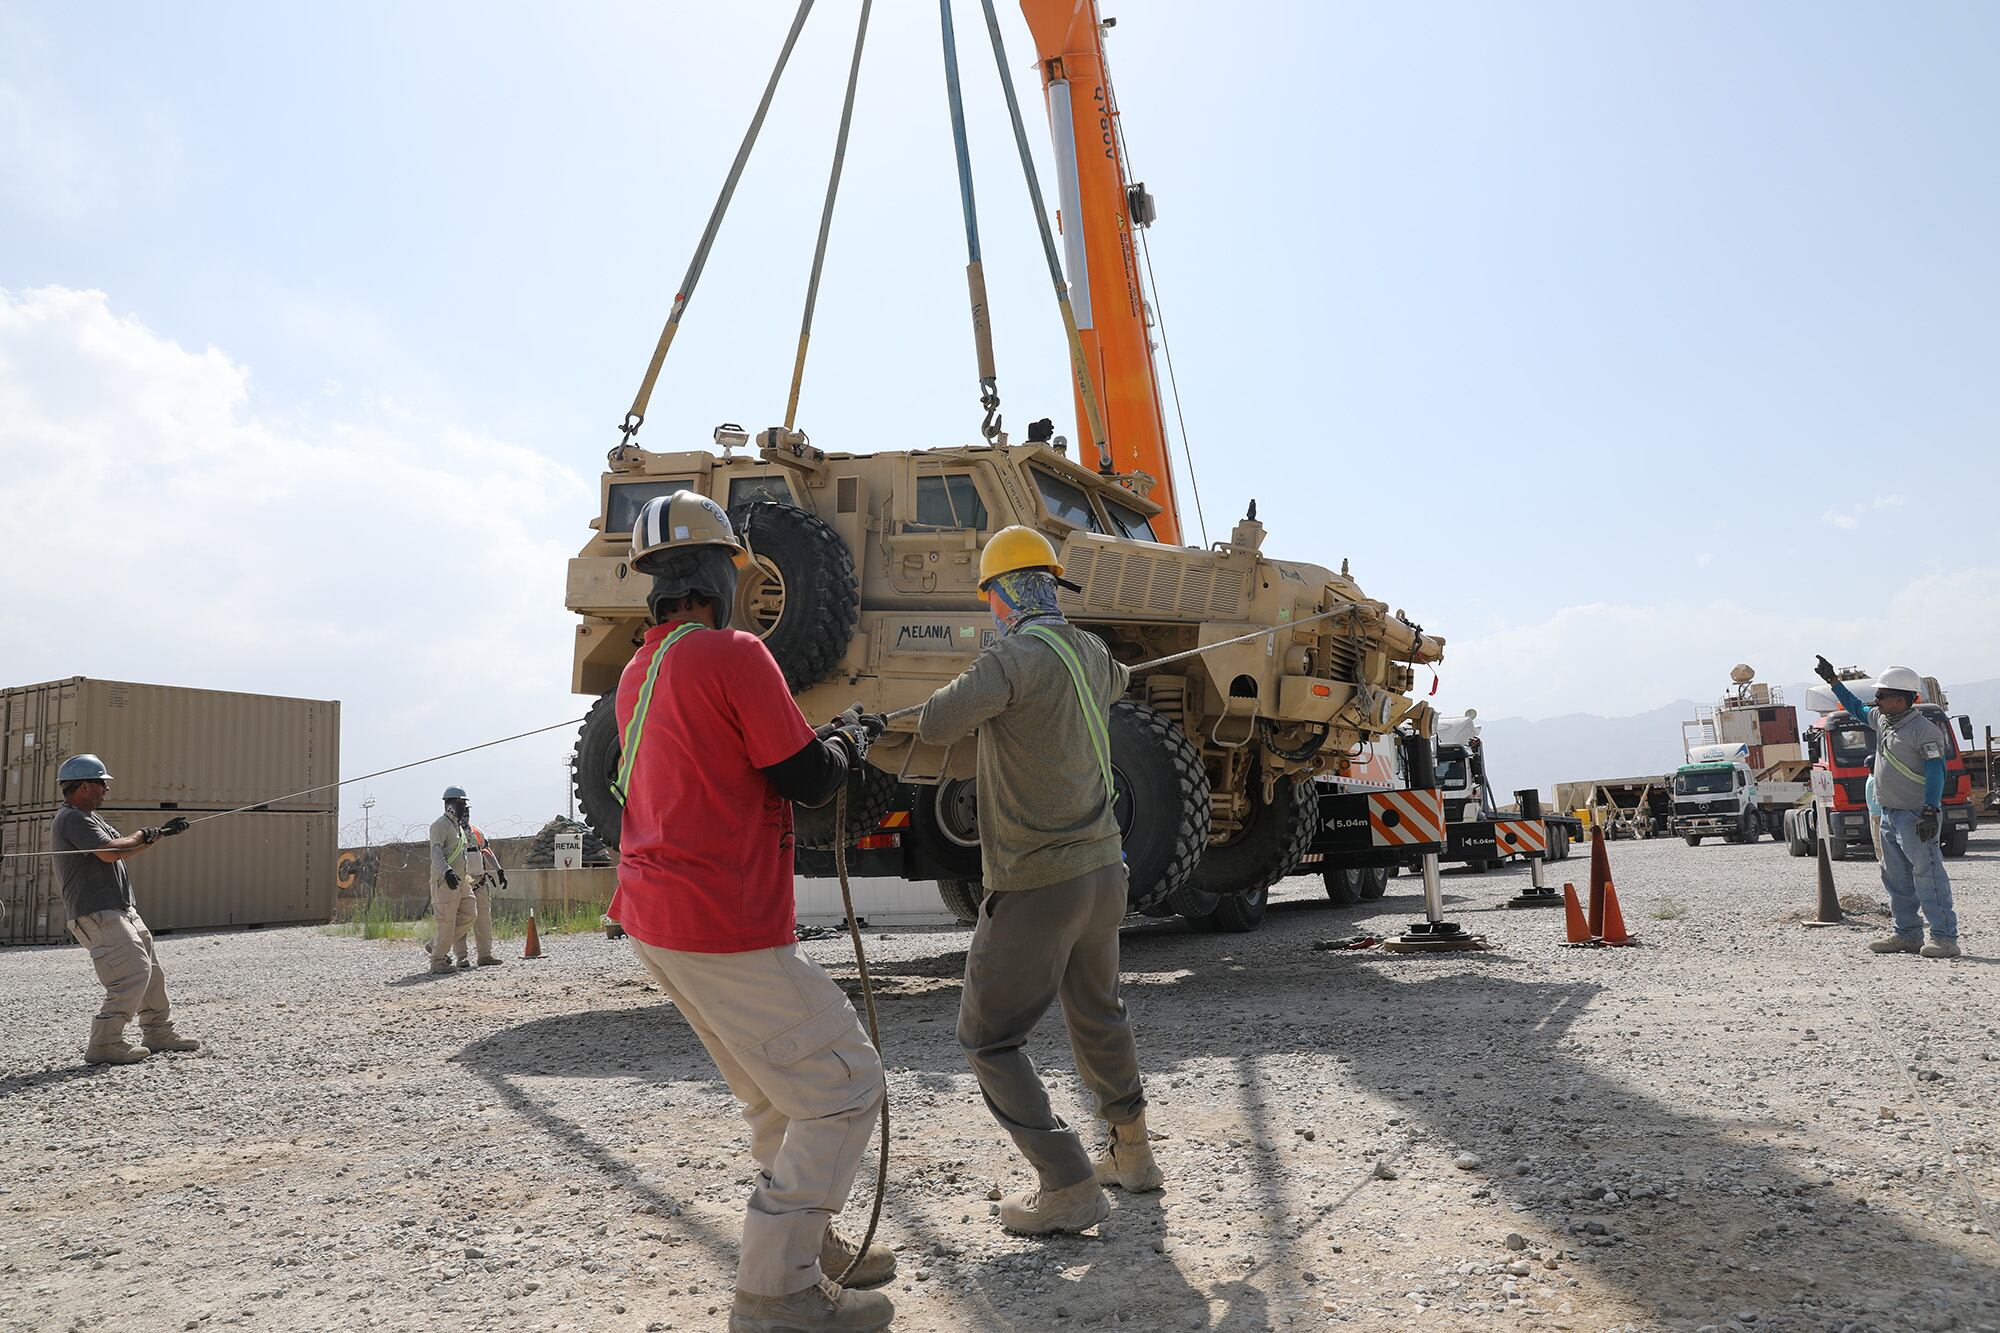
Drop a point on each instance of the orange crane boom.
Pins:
(1095, 210)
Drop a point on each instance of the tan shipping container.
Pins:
(260, 868)
(169, 747)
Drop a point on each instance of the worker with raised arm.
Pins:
(484, 879)
(454, 867)
(1909, 784)
(90, 858)
(713, 753)
(1039, 697)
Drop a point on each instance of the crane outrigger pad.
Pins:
(1436, 937)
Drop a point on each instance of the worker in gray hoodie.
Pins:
(1039, 698)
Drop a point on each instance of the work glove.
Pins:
(178, 824)
(1824, 670)
(852, 729)
(503, 879)
(150, 835)
(451, 878)
(1927, 824)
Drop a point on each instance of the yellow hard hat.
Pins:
(682, 519)
(1015, 547)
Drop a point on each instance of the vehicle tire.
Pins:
(1836, 849)
(1236, 913)
(961, 897)
(1752, 828)
(800, 596)
(592, 766)
(1956, 840)
(1375, 882)
(1342, 886)
(1558, 844)
(1694, 840)
(945, 818)
(1272, 842)
(870, 795)
(1797, 846)
(1161, 803)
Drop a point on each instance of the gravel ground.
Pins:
(1741, 1124)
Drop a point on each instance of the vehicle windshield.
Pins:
(1129, 522)
(627, 498)
(1451, 771)
(1704, 782)
(1853, 747)
(1066, 502)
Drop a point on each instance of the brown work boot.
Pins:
(439, 965)
(108, 1045)
(837, 1251)
(1896, 944)
(1126, 1159)
(822, 1306)
(1038, 1212)
(166, 1039)
(1940, 948)
(489, 961)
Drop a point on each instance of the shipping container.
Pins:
(170, 748)
(259, 868)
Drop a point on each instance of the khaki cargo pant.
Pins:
(1031, 948)
(454, 910)
(121, 950)
(788, 1045)
(481, 919)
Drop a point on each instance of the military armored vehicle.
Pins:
(863, 583)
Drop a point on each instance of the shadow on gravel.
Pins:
(1475, 1060)
(15, 1084)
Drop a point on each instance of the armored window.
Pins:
(949, 502)
(744, 490)
(1129, 522)
(1068, 503)
(621, 511)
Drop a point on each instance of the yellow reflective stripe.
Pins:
(1898, 764)
(1093, 722)
(629, 750)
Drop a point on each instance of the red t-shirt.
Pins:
(705, 857)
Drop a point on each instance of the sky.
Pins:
(1616, 343)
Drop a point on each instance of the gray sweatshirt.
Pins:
(1044, 815)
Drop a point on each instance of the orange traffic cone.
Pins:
(1829, 913)
(534, 945)
(1576, 930)
(1614, 920)
(1600, 875)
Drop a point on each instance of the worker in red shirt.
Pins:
(714, 752)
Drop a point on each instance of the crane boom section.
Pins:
(1093, 210)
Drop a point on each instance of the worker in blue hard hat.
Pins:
(457, 862)
(90, 858)
(1909, 783)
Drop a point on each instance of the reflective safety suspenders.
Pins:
(1899, 765)
(636, 728)
(1093, 715)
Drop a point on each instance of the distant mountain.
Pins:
(1579, 747)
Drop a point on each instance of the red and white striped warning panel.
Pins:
(1528, 837)
(1405, 818)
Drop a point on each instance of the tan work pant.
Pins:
(121, 950)
(454, 910)
(787, 1043)
(480, 921)
(1031, 948)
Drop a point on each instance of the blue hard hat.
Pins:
(83, 768)
(454, 793)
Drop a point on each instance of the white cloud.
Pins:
(159, 528)
(1613, 658)
(1848, 519)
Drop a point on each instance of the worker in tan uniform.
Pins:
(484, 879)
(454, 869)
(1039, 697)
(90, 858)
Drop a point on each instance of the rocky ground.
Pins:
(1742, 1124)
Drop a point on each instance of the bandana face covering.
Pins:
(1027, 594)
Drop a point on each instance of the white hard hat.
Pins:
(681, 520)
(1901, 678)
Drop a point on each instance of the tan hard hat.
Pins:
(681, 520)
